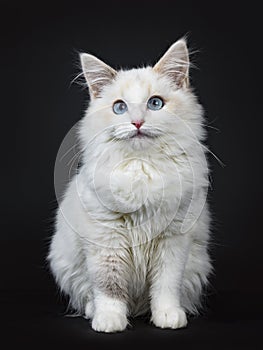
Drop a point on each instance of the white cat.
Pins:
(133, 227)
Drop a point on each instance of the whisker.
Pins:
(64, 155)
(72, 160)
(70, 168)
(203, 146)
(215, 156)
(205, 125)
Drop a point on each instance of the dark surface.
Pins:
(38, 320)
(38, 107)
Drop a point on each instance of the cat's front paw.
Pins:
(109, 322)
(169, 318)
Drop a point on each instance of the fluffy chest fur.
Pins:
(137, 196)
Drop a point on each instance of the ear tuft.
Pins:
(175, 63)
(97, 73)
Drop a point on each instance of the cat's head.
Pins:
(138, 108)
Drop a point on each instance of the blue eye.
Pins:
(119, 107)
(155, 103)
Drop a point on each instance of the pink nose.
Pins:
(138, 124)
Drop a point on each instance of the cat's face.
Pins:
(138, 106)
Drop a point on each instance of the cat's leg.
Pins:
(110, 278)
(166, 281)
(89, 308)
(198, 266)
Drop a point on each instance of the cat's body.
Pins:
(133, 228)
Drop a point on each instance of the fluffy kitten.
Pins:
(133, 227)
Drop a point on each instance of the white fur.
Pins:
(120, 223)
(110, 314)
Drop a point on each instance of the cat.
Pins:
(132, 231)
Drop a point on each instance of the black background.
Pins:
(38, 61)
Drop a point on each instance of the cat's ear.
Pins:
(96, 72)
(175, 63)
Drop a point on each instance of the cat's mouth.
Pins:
(140, 134)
